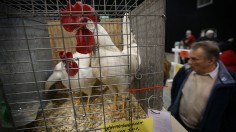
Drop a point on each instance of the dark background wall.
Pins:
(184, 14)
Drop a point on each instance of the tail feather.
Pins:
(128, 36)
(130, 42)
(126, 31)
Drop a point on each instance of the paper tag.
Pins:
(161, 120)
(142, 125)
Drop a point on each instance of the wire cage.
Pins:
(48, 85)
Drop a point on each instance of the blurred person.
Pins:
(187, 42)
(167, 67)
(210, 35)
(228, 54)
(203, 93)
(189, 39)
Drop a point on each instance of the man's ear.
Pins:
(212, 60)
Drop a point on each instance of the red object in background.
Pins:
(183, 54)
(71, 66)
(75, 17)
(142, 89)
(228, 57)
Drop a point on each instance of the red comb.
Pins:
(78, 6)
(70, 18)
(69, 54)
(65, 54)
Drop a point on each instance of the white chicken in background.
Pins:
(111, 65)
(77, 77)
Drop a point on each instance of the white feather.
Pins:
(85, 75)
(113, 64)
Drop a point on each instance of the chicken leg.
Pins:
(115, 101)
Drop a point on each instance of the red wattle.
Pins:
(73, 68)
(85, 41)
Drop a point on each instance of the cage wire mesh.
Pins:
(31, 32)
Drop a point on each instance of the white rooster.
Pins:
(111, 65)
(70, 77)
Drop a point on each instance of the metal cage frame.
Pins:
(27, 61)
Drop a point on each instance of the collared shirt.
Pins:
(213, 73)
(195, 94)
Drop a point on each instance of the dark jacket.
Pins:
(220, 111)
